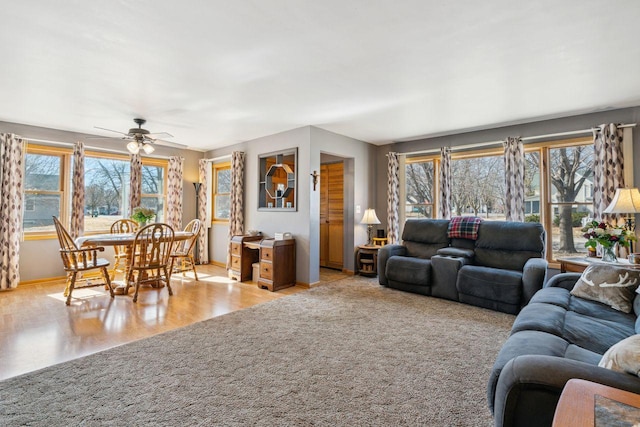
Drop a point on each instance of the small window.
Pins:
(221, 191)
(43, 190)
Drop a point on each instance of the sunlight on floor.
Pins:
(78, 294)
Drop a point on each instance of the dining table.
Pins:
(126, 240)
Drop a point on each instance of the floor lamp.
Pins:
(197, 185)
(626, 201)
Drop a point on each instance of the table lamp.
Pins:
(625, 201)
(370, 218)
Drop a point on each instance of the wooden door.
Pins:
(331, 215)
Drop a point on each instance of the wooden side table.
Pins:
(577, 264)
(577, 404)
(367, 260)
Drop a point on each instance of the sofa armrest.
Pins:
(529, 387)
(563, 280)
(534, 274)
(386, 252)
(445, 275)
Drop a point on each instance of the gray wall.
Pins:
(304, 222)
(39, 259)
(534, 128)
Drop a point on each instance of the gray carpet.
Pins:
(347, 353)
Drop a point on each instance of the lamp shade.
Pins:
(133, 147)
(148, 148)
(370, 217)
(626, 200)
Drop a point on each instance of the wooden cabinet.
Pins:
(277, 264)
(242, 257)
(331, 215)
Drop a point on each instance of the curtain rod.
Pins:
(526, 138)
(100, 149)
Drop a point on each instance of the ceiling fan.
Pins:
(140, 138)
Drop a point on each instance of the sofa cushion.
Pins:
(464, 227)
(623, 356)
(588, 324)
(609, 284)
(423, 237)
(508, 245)
(415, 271)
(490, 283)
(456, 252)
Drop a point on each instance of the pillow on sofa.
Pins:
(464, 227)
(623, 356)
(609, 284)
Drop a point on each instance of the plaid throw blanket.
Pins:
(464, 227)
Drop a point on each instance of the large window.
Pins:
(478, 186)
(570, 202)
(48, 178)
(221, 191)
(558, 189)
(419, 189)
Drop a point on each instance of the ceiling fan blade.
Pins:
(169, 144)
(160, 135)
(111, 130)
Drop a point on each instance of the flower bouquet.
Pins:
(608, 236)
(142, 215)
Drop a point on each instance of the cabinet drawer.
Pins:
(235, 263)
(236, 248)
(266, 269)
(266, 254)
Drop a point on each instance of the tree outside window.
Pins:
(478, 188)
(222, 192)
(419, 189)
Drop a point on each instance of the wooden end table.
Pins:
(577, 264)
(367, 260)
(576, 406)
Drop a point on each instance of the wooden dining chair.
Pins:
(152, 248)
(121, 226)
(78, 260)
(183, 251)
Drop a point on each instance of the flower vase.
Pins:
(609, 253)
(142, 224)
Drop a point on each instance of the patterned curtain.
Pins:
(202, 257)
(236, 212)
(445, 183)
(11, 162)
(77, 198)
(135, 190)
(514, 178)
(608, 168)
(393, 197)
(174, 192)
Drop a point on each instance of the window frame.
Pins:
(66, 156)
(543, 148)
(215, 168)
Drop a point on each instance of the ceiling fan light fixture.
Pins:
(133, 147)
(148, 148)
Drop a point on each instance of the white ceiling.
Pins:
(218, 72)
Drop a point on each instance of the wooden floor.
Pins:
(37, 329)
